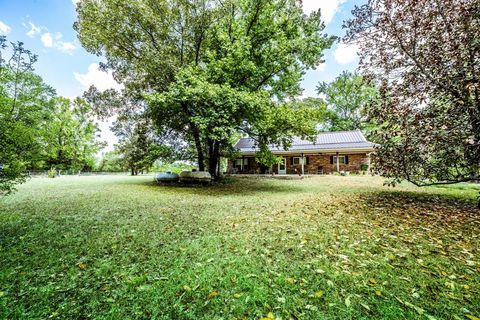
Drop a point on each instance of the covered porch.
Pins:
(303, 164)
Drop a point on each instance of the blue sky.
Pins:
(45, 27)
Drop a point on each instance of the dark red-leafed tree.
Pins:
(425, 57)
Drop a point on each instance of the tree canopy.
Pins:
(425, 57)
(347, 98)
(209, 68)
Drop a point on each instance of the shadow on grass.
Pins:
(233, 186)
(421, 200)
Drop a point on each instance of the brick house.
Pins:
(346, 151)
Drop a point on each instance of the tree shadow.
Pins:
(233, 186)
(431, 207)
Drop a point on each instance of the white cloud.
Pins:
(345, 53)
(328, 8)
(50, 41)
(94, 76)
(4, 29)
(67, 47)
(47, 39)
(75, 2)
(33, 29)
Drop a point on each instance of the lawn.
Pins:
(328, 247)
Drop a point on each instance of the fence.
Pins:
(44, 173)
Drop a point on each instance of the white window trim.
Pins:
(341, 160)
(300, 161)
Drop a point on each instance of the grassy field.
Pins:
(328, 247)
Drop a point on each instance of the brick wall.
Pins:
(316, 163)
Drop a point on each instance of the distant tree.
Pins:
(425, 57)
(140, 142)
(70, 137)
(347, 98)
(210, 68)
(111, 161)
(138, 145)
(25, 108)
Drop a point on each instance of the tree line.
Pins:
(39, 130)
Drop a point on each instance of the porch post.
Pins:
(338, 163)
(243, 160)
(303, 166)
(369, 163)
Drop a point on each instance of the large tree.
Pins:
(25, 108)
(425, 56)
(348, 97)
(210, 67)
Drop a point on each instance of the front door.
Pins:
(282, 166)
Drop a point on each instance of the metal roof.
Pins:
(325, 141)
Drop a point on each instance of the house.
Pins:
(347, 151)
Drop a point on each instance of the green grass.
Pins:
(329, 247)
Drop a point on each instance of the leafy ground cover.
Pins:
(329, 247)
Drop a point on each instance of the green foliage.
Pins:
(347, 97)
(52, 173)
(138, 145)
(424, 57)
(25, 108)
(111, 161)
(38, 130)
(176, 167)
(70, 136)
(209, 69)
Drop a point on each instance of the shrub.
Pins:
(52, 173)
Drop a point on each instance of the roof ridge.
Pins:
(341, 131)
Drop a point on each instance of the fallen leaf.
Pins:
(371, 282)
(418, 309)
(348, 303)
(269, 316)
(187, 288)
(365, 306)
(378, 293)
(212, 295)
(82, 265)
(237, 295)
(318, 294)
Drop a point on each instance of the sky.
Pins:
(45, 28)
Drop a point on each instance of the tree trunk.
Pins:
(198, 146)
(133, 171)
(219, 165)
(213, 157)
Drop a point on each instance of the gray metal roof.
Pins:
(325, 141)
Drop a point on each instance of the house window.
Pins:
(238, 164)
(297, 161)
(341, 160)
